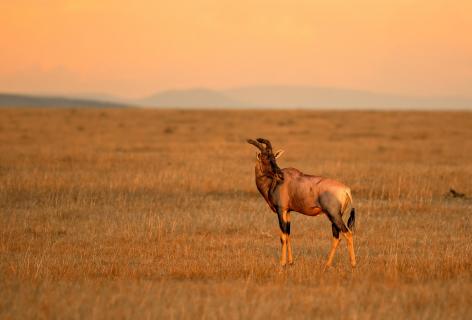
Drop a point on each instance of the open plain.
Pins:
(137, 213)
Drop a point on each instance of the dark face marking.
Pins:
(267, 157)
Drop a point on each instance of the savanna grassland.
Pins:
(135, 213)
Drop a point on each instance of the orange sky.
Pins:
(135, 48)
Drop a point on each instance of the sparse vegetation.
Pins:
(104, 213)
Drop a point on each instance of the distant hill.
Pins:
(299, 97)
(320, 97)
(19, 100)
(192, 98)
(303, 97)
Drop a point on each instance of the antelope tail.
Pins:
(351, 222)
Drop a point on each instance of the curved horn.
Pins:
(256, 144)
(266, 142)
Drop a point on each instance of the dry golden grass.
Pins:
(154, 214)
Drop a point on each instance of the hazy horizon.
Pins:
(120, 97)
(133, 50)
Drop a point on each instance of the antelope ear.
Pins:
(279, 153)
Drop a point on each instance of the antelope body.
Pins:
(288, 189)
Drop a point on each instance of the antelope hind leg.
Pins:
(350, 247)
(334, 245)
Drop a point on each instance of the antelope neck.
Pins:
(264, 178)
(260, 172)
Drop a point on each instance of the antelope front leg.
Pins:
(283, 255)
(284, 224)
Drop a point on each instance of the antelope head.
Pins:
(266, 159)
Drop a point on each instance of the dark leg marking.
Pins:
(284, 226)
(337, 221)
(335, 231)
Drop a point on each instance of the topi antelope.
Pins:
(288, 189)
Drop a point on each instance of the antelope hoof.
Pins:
(282, 268)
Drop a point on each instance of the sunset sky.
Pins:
(135, 48)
